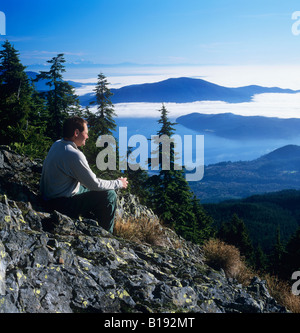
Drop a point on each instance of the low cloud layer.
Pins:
(269, 105)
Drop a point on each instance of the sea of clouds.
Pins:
(216, 149)
(269, 105)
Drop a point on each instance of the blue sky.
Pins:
(227, 42)
(214, 32)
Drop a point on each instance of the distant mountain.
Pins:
(184, 90)
(176, 90)
(233, 126)
(286, 154)
(276, 171)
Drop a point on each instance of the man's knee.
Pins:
(111, 196)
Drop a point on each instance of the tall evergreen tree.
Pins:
(260, 260)
(291, 257)
(101, 123)
(21, 109)
(170, 194)
(15, 95)
(235, 233)
(204, 223)
(137, 178)
(61, 98)
(277, 255)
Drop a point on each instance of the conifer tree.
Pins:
(291, 257)
(137, 180)
(204, 223)
(170, 194)
(61, 98)
(277, 255)
(15, 95)
(101, 123)
(21, 109)
(260, 260)
(235, 233)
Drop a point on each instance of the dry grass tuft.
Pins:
(221, 255)
(282, 292)
(217, 254)
(141, 230)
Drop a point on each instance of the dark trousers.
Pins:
(100, 205)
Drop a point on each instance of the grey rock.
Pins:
(52, 263)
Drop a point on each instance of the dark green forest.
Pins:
(271, 222)
(278, 210)
(265, 228)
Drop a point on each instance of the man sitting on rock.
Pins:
(70, 186)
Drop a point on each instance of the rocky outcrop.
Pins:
(51, 263)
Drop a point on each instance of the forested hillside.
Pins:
(263, 216)
(267, 226)
(237, 127)
(272, 172)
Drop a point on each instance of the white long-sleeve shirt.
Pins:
(65, 169)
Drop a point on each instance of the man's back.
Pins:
(66, 168)
(58, 178)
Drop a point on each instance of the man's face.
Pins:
(81, 137)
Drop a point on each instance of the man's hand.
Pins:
(124, 182)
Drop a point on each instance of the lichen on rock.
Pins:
(52, 263)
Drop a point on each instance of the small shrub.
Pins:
(140, 230)
(282, 292)
(221, 255)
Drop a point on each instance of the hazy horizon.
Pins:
(270, 105)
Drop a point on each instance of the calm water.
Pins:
(216, 149)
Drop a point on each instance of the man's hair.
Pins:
(71, 124)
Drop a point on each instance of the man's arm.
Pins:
(83, 173)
